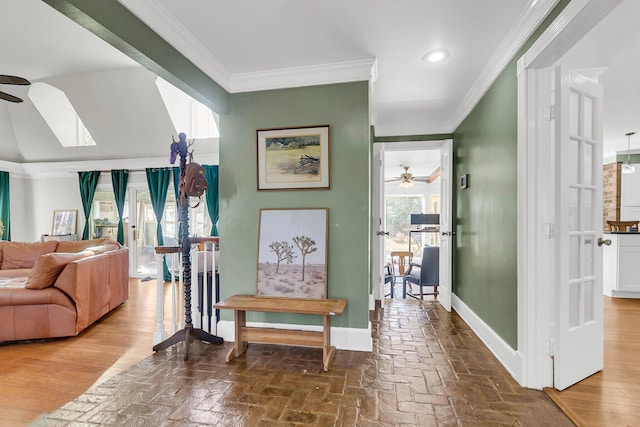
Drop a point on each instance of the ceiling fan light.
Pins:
(406, 184)
(628, 167)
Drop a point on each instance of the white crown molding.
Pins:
(535, 12)
(412, 128)
(160, 20)
(338, 72)
(64, 169)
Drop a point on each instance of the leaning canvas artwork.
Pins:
(292, 253)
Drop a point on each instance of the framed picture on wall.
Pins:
(292, 253)
(293, 158)
(64, 222)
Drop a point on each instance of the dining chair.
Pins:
(423, 274)
(400, 261)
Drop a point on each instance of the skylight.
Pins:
(188, 115)
(56, 109)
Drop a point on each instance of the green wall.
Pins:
(346, 108)
(485, 214)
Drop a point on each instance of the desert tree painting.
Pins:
(293, 158)
(292, 253)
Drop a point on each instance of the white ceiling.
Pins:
(255, 44)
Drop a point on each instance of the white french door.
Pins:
(446, 232)
(578, 314)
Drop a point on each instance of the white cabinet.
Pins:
(621, 265)
(630, 196)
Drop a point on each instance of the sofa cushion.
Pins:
(2, 243)
(23, 254)
(108, 246)
(81, 245)
(49, 266)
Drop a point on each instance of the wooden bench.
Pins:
(245, 334)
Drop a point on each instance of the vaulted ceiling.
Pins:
(255, 45)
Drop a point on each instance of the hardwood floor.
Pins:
(610, 397)
(39, 377)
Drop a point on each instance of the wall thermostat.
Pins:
(464, 181)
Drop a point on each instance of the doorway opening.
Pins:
(407, 189)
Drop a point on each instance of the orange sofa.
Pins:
(57, 289)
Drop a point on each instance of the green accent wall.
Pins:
(345, 107)
(485, 213)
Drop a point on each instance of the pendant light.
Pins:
(627, 167)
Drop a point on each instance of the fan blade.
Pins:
(9, 98)
(393, 180)
(13, 80)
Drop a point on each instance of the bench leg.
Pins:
(327, 350)
(239, 346)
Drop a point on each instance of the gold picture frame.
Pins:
(64, 222)
(292, 253)
(293, 158)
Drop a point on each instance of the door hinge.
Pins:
(549, 112)
(548, 347)
(548, 230)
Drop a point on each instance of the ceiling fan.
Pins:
(12, 80)
(406, 179)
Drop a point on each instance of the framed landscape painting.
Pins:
(64, 222)
(292, 253)
(293, 158)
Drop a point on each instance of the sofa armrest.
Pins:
(86, 282)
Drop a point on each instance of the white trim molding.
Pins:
(355, 339)
(510, 359)
(535, 12)
(339, 72)
(160, 20)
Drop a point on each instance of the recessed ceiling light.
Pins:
(435, 55)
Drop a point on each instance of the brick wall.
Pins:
(611, 193)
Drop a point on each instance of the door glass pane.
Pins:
(574, 304)
(589, 248)
(587, 129)
(587, 163)
(104, 216)
(398, 209)
(573, 162)
(574, 211)
(574, 257)
(588, 301)
(574, 113)
(587, 209)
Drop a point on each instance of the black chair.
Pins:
(389, 278)
(425, 273)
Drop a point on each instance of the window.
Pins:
(398, 208)
(57, 111)
(187, 115)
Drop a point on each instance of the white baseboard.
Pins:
(510, 359)
(356, 339)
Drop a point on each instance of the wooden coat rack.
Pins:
(188, 333)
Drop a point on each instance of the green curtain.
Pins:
(158, 182)
(119, 178)
(176, 188)
(88, 183)
(211, 196)
(5, 211)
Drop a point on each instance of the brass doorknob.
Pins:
(604, 241)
